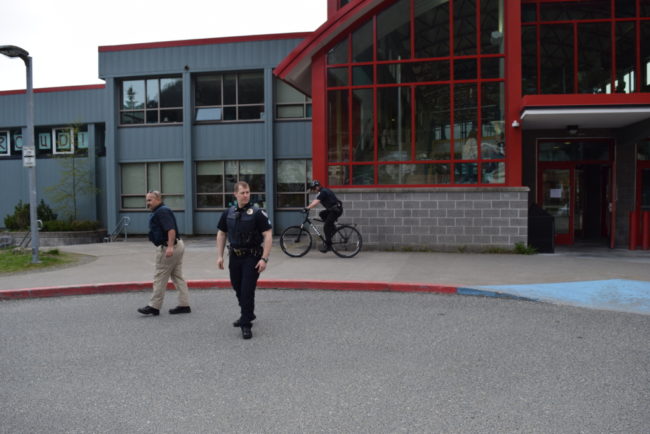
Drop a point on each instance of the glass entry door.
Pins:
(557, 199)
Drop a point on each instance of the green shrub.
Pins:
(20, 220)
(523, 249)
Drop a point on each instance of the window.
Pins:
(586, 47)
(229, 97)
(152, 101)
(293, 177)
(419, 102)
(5, 149)
(215, 182)
(139, 178)
(64, 140)
(290, 103)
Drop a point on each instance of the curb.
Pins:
(108, 288)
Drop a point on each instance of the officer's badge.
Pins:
(249, 211)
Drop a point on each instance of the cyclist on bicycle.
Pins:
(333, 210)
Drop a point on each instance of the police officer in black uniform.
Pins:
(333, 210)
(248, 230)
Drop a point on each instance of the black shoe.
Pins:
(324, 248)
(246, 332)
(180, 309)
(238, 322)
(148, 310)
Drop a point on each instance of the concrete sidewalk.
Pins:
(624, 274)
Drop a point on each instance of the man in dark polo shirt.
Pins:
(163, 233)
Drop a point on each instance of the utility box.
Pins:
(541, 229)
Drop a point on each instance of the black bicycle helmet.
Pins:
(314, 184)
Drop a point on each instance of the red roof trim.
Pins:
(54, 89)
(334, 26)
(209, 41)
(600, 99)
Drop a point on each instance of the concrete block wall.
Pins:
(445, 219)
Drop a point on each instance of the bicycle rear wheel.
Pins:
(295, 241)
(346, 241)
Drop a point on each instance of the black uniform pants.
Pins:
(329, 216)
(243, 277)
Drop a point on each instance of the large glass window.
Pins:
(236, 96)
(413, 107)
(215, 182)
(292, 177)
(587, 46)
(139, 178)
(151, 101)
(290, 103)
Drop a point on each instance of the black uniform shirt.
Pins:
(161, 221)
(327, 198)
(260, 220)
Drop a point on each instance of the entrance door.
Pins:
(575, 185)
(557, 199)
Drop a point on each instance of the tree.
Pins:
(75, 180)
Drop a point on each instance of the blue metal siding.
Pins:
(229, 141)
(161, 143)
(293, 139)
(56, 108)
(198, 58)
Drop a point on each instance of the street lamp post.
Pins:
(29, 150)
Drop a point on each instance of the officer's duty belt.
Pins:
(164, 243)
(252, 251)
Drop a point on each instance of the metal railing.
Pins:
(121, 227)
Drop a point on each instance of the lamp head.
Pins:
(13, 51)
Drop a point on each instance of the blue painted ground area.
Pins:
(617, 294)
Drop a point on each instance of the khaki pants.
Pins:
(167, 268)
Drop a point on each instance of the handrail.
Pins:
(121, 227)
(28, 235)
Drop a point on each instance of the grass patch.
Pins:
(17, 260)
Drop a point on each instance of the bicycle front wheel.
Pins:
(346, 241)
(295, 241)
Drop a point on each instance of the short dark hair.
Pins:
(243, 184)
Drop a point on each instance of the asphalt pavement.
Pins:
(397, 349)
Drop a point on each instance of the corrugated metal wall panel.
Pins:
(229, 141)
(150, 143)
(216, 57)
(56, 108)
(293, 139)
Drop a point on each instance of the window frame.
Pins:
(613, 87)
(305, 105)
(148, 187)
(406, 168)
(145, 109)
(7, 143)
(222, 107)
(227, 196)
(55, 140)
(308, 163)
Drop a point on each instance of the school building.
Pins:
(440, 124)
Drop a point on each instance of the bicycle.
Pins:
(296, 241)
